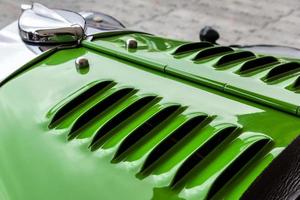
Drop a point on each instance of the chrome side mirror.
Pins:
(41, 25)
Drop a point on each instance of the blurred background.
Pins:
(238, 22)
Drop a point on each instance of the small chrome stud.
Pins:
(82, 65)
(131, 44)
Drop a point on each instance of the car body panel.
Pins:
(41, 163)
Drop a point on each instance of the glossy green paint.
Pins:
(39, 162)
(226, 78)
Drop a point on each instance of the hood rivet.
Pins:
(131, 44)
(82, 64)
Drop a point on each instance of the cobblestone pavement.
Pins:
(242, 22)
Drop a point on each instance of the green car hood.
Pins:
(168, 120)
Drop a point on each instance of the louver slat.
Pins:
(257, 64)
(282, 71)
(234, 58)
(147, 144)
(222, 165)
(145, 128)
(179, 133)
(158, 139)
(93, 126)
(121, 117)
(236, 166)
(212, 52)
(186, 48)
(99, 108)
(296, 85)
(114, 140)
(78, 100)
(197, 156)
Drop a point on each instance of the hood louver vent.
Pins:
(212, 52)
(249, 63)
(234, 58)
(191, 47)
(99, 108)
(257, 64)
(198, 155)
(282, 71)
(80, 99)
(236, 165)
(121, 117)
(145, 128)
(296, 85)
(170, 141)
(164, 138)
(214, 172)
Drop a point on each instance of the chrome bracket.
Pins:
(41, 25)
